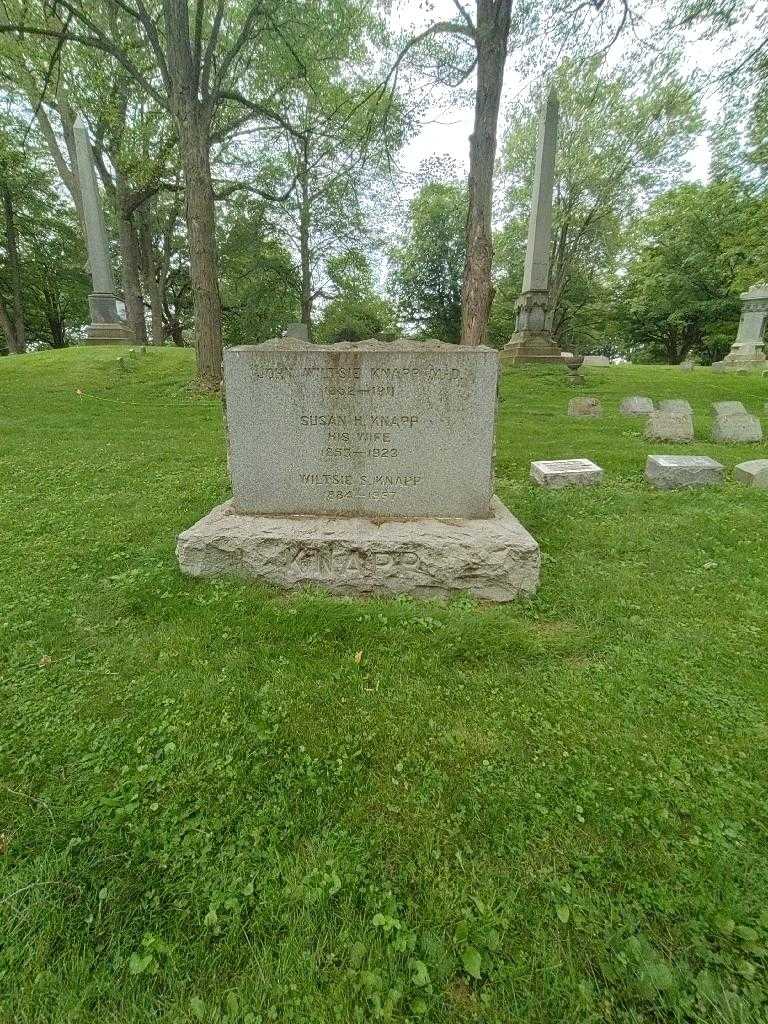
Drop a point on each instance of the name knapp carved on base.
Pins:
(400, 430)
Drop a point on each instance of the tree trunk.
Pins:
(491, 37)
(129, 258)
(304, 218)
(144, 216)
(18, 341)
(201, 232)
(7, 328)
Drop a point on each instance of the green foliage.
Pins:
(258, 278)
(428, 266)
(622, 139)
(691, 255)
(209, 811)
(356, 311)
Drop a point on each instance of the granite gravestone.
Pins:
(673, 472)
(365, 468)
(636, 405)
(753, 473)
(559, 473)
(669, 426)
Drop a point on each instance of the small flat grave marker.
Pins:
(557, 473)
(729, 409)
(670, 472)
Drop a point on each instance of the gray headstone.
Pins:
(636, 405)
(581, 407)
(297, 330)
(675, 405)
(753, 473)
(381, 429)
(736, 428)
(669, 426)
(747, 352)
(670, 472)
(728, 408)
(558, 473)
(596, 361)
(687, 365)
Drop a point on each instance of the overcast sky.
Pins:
(448, 124)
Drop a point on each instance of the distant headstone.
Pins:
(364, 468)
(753, 473)
(670, 472)
(687, 364)
(557, 473)
(669, 426)
(636, 405)
(296, 330)
(596, 361)
(585, 407)
(728, 409)
(676, 405)
(747, 351)
(736, 428)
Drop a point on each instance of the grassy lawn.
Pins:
(554, 811)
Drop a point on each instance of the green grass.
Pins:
(553, 811)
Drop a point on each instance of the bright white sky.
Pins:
(448, 124)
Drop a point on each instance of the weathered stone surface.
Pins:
(297, 330)
(493, 559)
(675, 405)
(596, 361)
(728, 408)
(747, 352)
(735, 428)
(669, 472)
(581, 407)
(636, 405)
(753, 473)
(687, 365)
(669, 426)
(557, 473)
(379, 429)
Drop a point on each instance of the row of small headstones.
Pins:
(664, 472)
(673, 420)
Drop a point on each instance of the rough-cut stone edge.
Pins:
(291, 344)
(753, 473)
(665, 403)
(729, 408)
(702, 473)
(492, 559)
(545, 473)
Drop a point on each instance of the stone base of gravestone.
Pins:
(531, 347)
(106, 326)
(673, 472)
(581, 408)
(493, 559)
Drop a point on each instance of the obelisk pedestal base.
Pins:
(107, 326)
(531, 347)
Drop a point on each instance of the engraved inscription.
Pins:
(329, 562)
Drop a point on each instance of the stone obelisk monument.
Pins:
(532, 340)
(106, 326)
